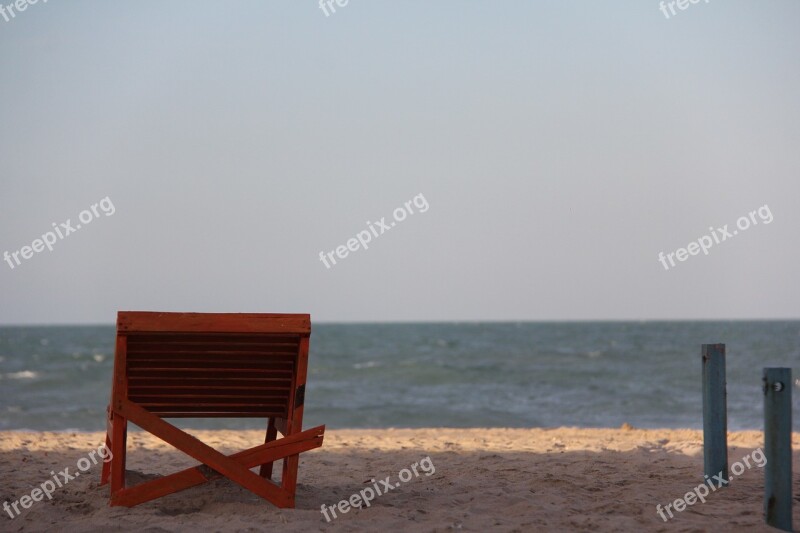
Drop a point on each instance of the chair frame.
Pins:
(236, 467)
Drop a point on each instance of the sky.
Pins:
(559, 146)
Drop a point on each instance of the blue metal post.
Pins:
(715, 412)
(778, 447)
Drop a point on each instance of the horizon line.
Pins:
(456, 321)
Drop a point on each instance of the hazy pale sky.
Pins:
(560, 146)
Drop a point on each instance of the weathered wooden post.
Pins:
(778, 447)
(715, 412)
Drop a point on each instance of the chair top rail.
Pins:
(133, 322)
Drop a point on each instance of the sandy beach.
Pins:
(564, 479)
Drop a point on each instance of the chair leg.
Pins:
(289, 477)
(272, 433)
(119, 437)
(106, 464)
(290, 464)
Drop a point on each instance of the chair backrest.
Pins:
(213, 365)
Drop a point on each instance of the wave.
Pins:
(25, 374)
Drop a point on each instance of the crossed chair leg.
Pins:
(236, 467)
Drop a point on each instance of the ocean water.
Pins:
(441, 375)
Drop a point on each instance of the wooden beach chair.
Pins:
(192, 365)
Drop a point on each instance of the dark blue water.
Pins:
(426, 375)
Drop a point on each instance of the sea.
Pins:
(483, 375)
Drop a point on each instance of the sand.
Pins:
(562, 479)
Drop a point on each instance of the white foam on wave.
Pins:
(25, 374)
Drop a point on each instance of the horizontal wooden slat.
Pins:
(142, 392)
(232, 357)
(221, 376)
(281, 401)
(185, 344)
(222, 366)
(193, 411)
(164, 351)
(205, 383)
(211, 395)
(138, 321)
(210, 402)
(227, 414)
(199, 394)
(167, 363)
(193, 337)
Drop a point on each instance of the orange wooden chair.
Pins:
(193, 365)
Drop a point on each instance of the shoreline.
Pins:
(548, 479)
(624, 427)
